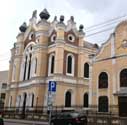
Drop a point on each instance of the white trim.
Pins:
(72, 36)
(49, 64)
(73, 64)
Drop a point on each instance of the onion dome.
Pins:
(61, 19)
(23, 27)
(81, 28)
(44, 14)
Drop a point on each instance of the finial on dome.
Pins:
(44, 14)
(23, 27)
(81, 28)
(72, 18)
(61, 19)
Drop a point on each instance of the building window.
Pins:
(4, 85)
(10, 101)
(86, 100)
(3, 95)
(35, 65)
(70, 65)
(103, 104)
(86, 70)
(123, 78)
(25, 68)
(103, 80)
(32, 102)
(68, 99)
(29, 67)
(51, 64)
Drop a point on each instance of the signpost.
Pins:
(51, 90)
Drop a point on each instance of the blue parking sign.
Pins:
(52, 86)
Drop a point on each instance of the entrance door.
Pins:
(24, 106)
(122, 106)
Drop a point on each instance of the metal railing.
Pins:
(41, 113)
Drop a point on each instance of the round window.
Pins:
(53, 38)
(71, 38)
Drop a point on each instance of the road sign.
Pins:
(52, 86)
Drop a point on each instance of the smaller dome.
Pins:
(44, 14)
(23, 27)
(61, 19)
(81, 28)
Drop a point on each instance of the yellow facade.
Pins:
(42, 53)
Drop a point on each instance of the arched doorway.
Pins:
(103, 104)
(86, 100)
(68, 99)
(24, 105)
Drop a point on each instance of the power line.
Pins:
(101, 31)
(105, 22)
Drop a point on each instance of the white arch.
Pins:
(73, 64)
(49, 63)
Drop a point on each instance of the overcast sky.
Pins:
(87, 12)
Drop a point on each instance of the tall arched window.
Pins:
(103, 80)
(29, 67)
(35, 65)
(86, 70)
(68, 99)
(123, 78)
(32, 101)
(103, 104)
(51, 64)
(24, 76)
(85, 100)
(70, 65)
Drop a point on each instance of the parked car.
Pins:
(69, 118)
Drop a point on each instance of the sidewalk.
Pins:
(28, 122)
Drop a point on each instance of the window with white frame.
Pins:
(51, 64)
(86, 70)
(70, 65)
(26, 67)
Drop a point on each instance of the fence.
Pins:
(41, 113)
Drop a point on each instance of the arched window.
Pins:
(35, 65)
(10, 101)
(103, 80)
(32, 102)
(68, 99)
(86, 70)
(86, 100)
(51, 64)
(70, 65)
(26, 71)
(25, 68)
(123, 78)
(29, 67)
(18, 101)
(103, 104)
